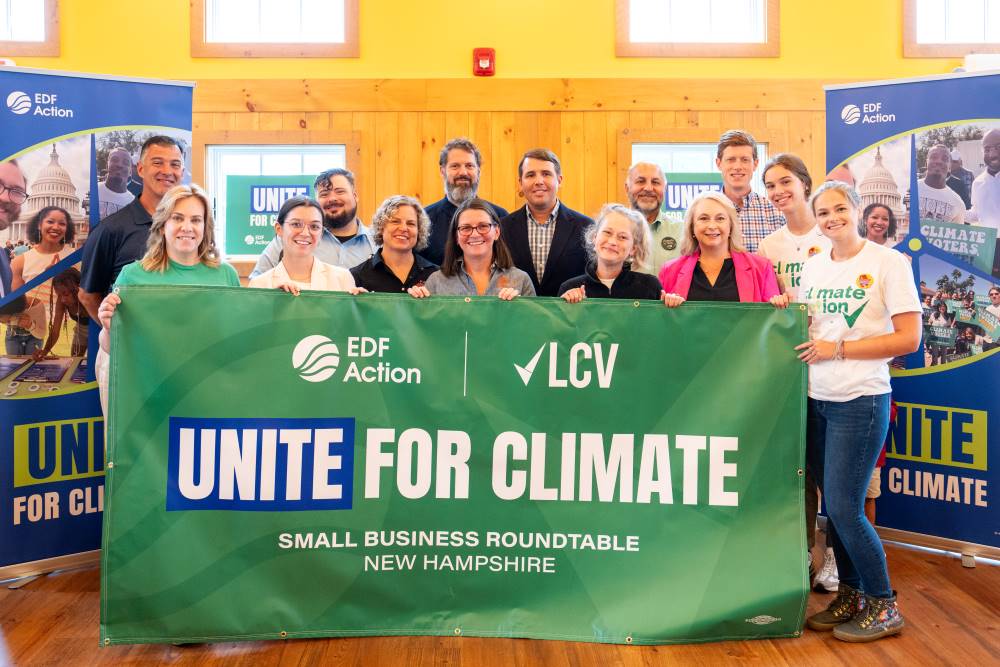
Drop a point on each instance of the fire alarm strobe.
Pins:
(484, 62)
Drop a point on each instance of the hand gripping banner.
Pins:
(328, 465)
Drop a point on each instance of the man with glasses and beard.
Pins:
(346, 241)
(13, 193)
(460, 163)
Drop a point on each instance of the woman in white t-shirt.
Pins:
(300, 226)
(864, 311)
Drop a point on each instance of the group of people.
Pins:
(957, 324)
(795, 245)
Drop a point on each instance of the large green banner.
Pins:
(325, 465)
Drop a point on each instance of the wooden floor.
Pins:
(952, 615)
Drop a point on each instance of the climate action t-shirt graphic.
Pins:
(379, 465)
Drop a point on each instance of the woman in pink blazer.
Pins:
(713, 265)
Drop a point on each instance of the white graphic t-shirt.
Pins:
(851, 300)
(111, 201)
(940, 204)
(788, 253)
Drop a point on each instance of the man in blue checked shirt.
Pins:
(736, 158)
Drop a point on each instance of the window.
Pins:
(950, 28)
(274, 28)
(266, 161)
(29, 27)
(706, 28)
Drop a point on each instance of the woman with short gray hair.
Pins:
(400, 228)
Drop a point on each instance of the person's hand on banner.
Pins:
(357, 290)
(291, 288)
(575, 295)
(779, 300)
(418, 292)
(508, 293)
(107, 309)
(671, 300)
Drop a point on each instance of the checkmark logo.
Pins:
(529, 368)
(853, 317)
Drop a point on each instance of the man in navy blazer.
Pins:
(13, 192)
(545, 236)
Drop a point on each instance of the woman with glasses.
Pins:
(476, 260)
(618, 242)
(401, 229)
(300, 226)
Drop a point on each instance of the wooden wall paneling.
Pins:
(248, 122)
(525, 131)
(202, 121)
(456, 124)
(776, 120)
(411, 163)
(223, 121)
(616, 126)
(431, 140)
(341, 121)
(640, 120)
(731, 119)
(595, 162)
(317, 120)
(293, 120)
(799, 134)
(754, 121)
(709, 118)
(571, 154)
(387, 165)
(270, 120)
(549, 129)
(817, 165)
(684, 119)
(663, 119)
(505, 157)
(364, 125)
(480, 123)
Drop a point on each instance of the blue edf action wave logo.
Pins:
(39, 104)
(869, 112)
(260, 464)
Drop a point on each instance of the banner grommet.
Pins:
(468, 299)
(458, 632)
(284, 635)
(628, 638)
(801, 472)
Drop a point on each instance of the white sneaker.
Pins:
(827, 581)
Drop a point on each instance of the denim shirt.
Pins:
(331, 250)
(461, 283)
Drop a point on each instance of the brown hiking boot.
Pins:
(880, 618)
(848, 604)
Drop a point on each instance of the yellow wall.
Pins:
(844, 40)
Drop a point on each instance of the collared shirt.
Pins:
(440, 214)
(323, 277)
(345, 254)
(375, 275)
(758, 218)
(667, 235)
(461, 284)
(540, 238)
(986, 199)
(116, 242)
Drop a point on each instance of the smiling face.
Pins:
(646, 187)
(737, 166)
(13, 194)
(784, 188)
(401, 230)
(938, 165)
(119, 165)
(991, 151)
(539, 183)
(339, 201)
(475, 233)
(184, 231)
(161, 168)
(301, 232)
(877, 224)
(53, 227)
(460, 173)
(712, 225)
(614, 243)
(836, 217)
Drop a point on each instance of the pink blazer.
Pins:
(755, 279)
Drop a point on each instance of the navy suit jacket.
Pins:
(567, 255)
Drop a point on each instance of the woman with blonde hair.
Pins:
(714, 265)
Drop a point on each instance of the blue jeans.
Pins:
(22, 344)
(843, 442)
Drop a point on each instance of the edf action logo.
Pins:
(40, 104)
(584, 363)
(869, 112)
(316, 358)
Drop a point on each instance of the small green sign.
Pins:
(252, 205)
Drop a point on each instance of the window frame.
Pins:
(50, 46)
(770, 48)
(201, 48)
(914, 49)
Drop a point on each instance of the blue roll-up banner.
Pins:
(929, 150)
(68, 154)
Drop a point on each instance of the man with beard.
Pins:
(460, 163)
(113, 192)
(120, 239)
(346, 241)
(937, 200)
(545, 236)
(986, 191)
(13, 192)
(645, 187)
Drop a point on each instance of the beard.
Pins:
(646, 210)
(339, 220)
(460, 191)
(9, 212)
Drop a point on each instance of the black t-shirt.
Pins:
(375, 276)
(724, 289)
(116, 242)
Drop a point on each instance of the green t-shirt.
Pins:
(178, 274)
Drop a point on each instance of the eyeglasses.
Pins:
(315, 227)
(16, 195)
(483, 229)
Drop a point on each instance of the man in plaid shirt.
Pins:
(736, 158)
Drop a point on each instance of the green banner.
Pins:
(972, 243)
(252, 205)
(989, 322)
(329, 465)
(940, 335)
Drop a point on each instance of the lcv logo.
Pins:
(578, 367)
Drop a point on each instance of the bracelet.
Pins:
(838, 351)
